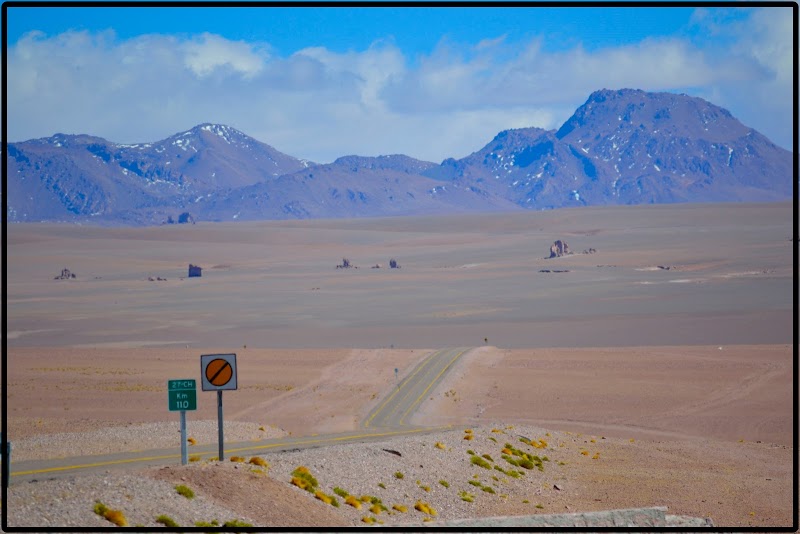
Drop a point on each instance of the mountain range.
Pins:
(620, 147)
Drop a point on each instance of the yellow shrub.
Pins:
(400, 508)
(321, 496)
(439, 445)
(497, 431)
(468, 437)
(194, 458)
(192, 441)
(116, 517)
(506, 450)
(237, 459)
(425, 508)
(585, 453)
(596, 456)
(299, 482)
(368, 520)
(468, 431)
(352, 501)
(375, 509)
(257, 460)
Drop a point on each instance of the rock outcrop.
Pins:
(559, 248)
(65, 275)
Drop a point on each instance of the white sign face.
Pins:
(218, 371)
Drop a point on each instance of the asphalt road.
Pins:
(388, 419)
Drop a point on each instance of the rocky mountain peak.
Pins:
(623, 146)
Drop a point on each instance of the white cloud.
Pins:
(210, 52)
(319, 104)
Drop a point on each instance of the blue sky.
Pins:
(431, 82)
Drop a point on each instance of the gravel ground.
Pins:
(441, 478)
(135, 437)
(744, 484)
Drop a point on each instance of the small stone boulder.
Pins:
(559, 248)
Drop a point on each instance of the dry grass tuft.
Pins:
(114, 516)
(352, 501)
(257, 460)
(425, 508)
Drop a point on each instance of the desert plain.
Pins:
(668, 332)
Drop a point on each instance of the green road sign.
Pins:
(182, 395)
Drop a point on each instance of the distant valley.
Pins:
(621, 147)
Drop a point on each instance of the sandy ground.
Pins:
(692, 362)
(462, 279)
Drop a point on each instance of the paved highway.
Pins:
(398, 406)
(388, 419)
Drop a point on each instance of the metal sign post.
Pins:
(218, 373)
(6, 462)
(219, 424)
(182, 396)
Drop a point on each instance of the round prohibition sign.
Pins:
(219, 372)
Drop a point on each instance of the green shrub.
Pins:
(235, 523)
(167, 521)
(477, 460)
(340, 492)
(398, 475)
(303, 479)
(525, 463)
(488, 489)
(509, 472)
(512, 461)
(100, 508)
(114, 516)
(475, 483)
(381, 485)
(487, 457)
(444, 483)
(185, 491)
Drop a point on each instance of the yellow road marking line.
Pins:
(404, 382)
(430, 363)
(340, 438)
(255, 447)
(97, 464)
(419, 399)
